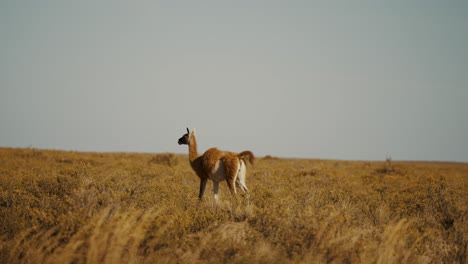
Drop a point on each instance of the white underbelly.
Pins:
(219, 172)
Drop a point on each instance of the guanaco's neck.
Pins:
(193, 153)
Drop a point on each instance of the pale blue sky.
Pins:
(314, 79)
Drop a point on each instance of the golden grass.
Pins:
(71, 207)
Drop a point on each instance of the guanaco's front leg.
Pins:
(203, 182)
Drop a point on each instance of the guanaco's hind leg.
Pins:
(240, 179)
(232, 186)
(231, 167)
(242, 187)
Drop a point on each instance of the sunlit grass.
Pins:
(71, 207)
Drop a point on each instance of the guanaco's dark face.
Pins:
(184, 140)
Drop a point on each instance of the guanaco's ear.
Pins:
(188, 132)
(193, 131)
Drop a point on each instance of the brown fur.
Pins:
(205, 165)
(247, 156)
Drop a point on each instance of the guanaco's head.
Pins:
(185, 139)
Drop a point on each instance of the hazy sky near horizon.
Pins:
(315, 79)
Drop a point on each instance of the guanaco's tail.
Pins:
(247, 156)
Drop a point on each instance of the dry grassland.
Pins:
(71, 207)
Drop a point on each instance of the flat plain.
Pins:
(76, 207)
